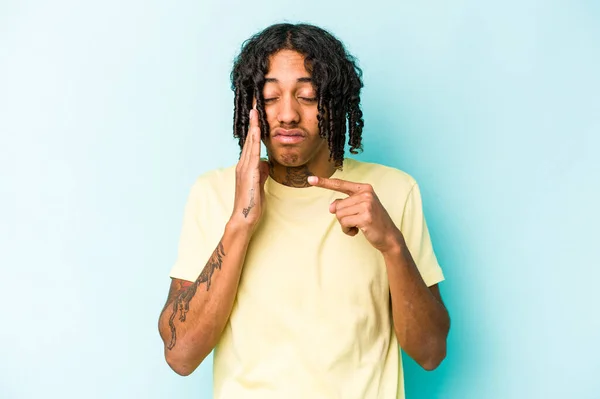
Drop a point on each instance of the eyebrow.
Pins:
(299, 80)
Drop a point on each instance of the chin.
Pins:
(290, 160)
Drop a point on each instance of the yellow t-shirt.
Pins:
(312, 316)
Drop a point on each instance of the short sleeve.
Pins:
(193, 249)
(418, 241)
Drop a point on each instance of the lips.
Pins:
(292, 136)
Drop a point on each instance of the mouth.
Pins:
(284, 136)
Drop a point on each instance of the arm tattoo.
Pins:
(187, 290)
(296, 177)
(246, 211)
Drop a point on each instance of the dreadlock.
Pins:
(335, 74)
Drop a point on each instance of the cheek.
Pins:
(271, 116)
(309, 115)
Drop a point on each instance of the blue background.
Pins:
(109, 110)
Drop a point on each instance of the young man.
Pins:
(306, 272)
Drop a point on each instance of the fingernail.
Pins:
(251, 114)
(313, 179)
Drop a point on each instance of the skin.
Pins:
(195, 313)
(291, 103)
(421, 321)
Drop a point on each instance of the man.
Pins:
(308, 271)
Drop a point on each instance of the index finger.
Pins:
(254, 132)
(247, 149)
(343, 186)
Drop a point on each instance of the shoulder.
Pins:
(213, 187)
(378, 175)
(216, 179)
(392, 185)
(211, 193)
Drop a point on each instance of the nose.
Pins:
(287, 112)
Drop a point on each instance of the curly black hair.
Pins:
(335, 74)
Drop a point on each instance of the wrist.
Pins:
(239, 228)
(395, 244)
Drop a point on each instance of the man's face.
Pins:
(291, 108)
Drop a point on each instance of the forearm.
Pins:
(194, 317)
(421, 322)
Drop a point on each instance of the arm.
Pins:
(421, 321)
(196, 313)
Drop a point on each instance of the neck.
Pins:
(295, 176)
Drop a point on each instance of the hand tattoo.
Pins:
(183, 296)
(296, 177)
(246, 211)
